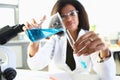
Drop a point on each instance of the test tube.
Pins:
(69, 37)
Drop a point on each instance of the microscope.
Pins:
(7, 56)
(7, 64)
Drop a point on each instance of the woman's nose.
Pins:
(68, 18)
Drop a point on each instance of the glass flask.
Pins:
(50, 26)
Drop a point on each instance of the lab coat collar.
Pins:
(81, 32)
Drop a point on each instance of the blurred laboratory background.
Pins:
(104, 17)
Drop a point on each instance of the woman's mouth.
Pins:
(69, 25)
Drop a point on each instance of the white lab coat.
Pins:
(54, 53)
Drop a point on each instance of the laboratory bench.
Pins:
(44, 75)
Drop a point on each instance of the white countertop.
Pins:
(43, 75)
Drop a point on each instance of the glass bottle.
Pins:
(119, 38)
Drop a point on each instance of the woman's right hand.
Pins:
(33, 45)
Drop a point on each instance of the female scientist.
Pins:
(89, 51)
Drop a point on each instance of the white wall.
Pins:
(105, 14)
(34, 9)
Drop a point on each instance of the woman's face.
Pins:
(70, 17)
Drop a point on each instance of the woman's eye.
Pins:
(72, 14)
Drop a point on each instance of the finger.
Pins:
(82, 52)
(84, 49)
(82, 41)
(42, 20)
(87, 46)
(93, 37)
(83, 37)
(34, 23)
(44, 17)
(93, 47)
(27, 25)
(102, 46)
(80, 45)
(88, 51)
(90, 48)
(52, 78)
(98, 41)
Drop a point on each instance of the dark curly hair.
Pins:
(83, 17)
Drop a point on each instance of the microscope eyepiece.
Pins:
(8, 32)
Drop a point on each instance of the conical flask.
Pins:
(50, 27)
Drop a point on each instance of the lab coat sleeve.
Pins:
(107, 69)
(42, 58)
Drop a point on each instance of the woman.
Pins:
(89, 50)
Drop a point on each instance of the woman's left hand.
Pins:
(89, 43)
(53, 78)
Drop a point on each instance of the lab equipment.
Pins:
(9, 32)
(7, 64)
(49, 27)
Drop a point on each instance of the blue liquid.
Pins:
(84, 65)
(38, 34)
